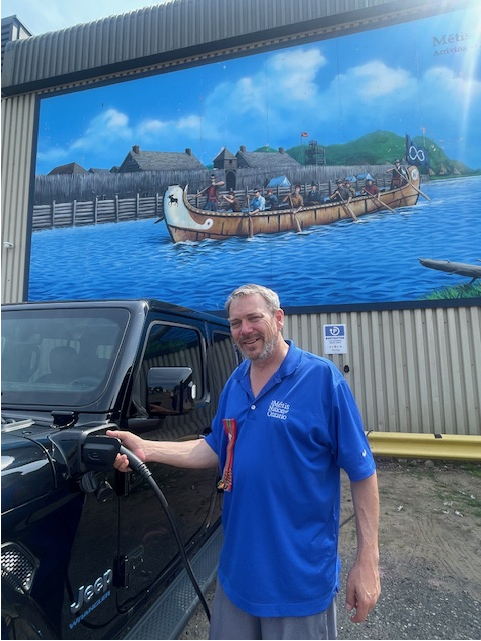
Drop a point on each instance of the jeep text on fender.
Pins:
(87, 553)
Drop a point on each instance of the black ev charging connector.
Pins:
(85, 450)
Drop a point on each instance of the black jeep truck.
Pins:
(88, 552)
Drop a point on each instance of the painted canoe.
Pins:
(188, 223)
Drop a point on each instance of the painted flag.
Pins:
(304, 134)
(416, 155)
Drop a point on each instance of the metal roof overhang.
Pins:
(188, 33)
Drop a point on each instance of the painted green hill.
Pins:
(382, 147)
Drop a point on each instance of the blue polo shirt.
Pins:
(281, 519)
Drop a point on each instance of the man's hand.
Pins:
(362, 590)
(131, 442)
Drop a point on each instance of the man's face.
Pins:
(255, 330)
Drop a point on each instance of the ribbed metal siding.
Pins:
(12, 29)
(413, 370)
(17, 136)
(172, 27)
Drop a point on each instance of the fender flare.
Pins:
(20, 609)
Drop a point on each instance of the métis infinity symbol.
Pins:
(416, 154)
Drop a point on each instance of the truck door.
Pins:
(148, 550)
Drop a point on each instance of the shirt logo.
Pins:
(278, 409)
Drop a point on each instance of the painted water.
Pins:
(340, 264)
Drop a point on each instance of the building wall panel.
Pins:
(154, 33)
(411, 370)
(17, 135)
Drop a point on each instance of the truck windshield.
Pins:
(59, 356)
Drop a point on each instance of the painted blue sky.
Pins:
(415, 78)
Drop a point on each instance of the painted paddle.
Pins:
(418, 190)
(346, 206)
(380, 201)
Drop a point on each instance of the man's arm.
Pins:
(363, 584)
(192, 454)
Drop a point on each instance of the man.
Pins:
(344, 195)
(313, 197)
(295, 199)
(234, 204)
(370, 188)
(272, 201)
(399, 175)
(258, 203)
(341, 193)
(347, 184)
(212, 192)
(293, 425)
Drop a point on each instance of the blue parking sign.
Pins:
(335, 339)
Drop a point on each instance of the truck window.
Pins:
(59, 355)
(169, 346)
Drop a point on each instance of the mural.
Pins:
(122, 203)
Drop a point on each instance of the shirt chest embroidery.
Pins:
(278, 409)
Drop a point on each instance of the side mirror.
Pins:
(170, 391)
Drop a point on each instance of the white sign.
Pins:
(335, 339)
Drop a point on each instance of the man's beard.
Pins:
(269, 346)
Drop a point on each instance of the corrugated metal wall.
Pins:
(411, 370)
(17, 138)
(142, 37)
(196, 29)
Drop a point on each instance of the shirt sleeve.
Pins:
(353, 452)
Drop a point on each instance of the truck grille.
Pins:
(18, 568)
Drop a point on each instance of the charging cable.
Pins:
(139, 466)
